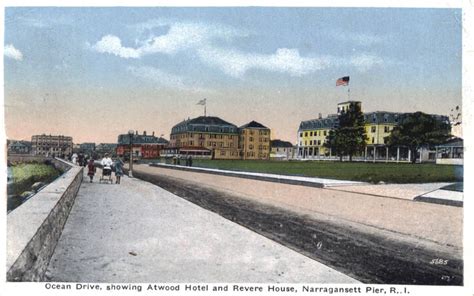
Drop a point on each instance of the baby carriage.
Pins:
(106, 174)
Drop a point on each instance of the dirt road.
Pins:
(373, 239)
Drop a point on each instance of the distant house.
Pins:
(19, 147)
(51, 145)
(144, 146)
(281, 150)
(451, 152)
(87, 148)
(103, 148)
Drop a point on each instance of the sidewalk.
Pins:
(414, 192)
(138, 232)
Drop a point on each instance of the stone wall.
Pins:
(34, 228)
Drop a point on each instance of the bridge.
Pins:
(178, 224)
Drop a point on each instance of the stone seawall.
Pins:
(34, 228)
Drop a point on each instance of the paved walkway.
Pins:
(138, 232)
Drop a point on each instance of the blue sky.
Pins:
(147, 67)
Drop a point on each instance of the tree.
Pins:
(419, 130)
(349, 137)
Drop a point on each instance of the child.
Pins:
(91, 169)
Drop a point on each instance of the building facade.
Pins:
(254, 141)
(143, 146)
(312, 136)
(281, 150)
(102, 148)
(51, 145)
(378, 126)
(206, 137)
(18, 147)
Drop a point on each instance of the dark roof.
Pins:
(253, 124)
(124, 139)
(205, 124)
(348, 102)
(211, 120)
(378, 117)
(328, 122)
(280, 143)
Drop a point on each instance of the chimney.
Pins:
(136, 133)
(153, 133)
(320, 116)
(144, 133)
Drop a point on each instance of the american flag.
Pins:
(202, 102)
(342, 81)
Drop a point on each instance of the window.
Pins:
(250, 146)
(306, 134)
(373, 129)
(301, 134)
(373, 140)
(311, 142)
(251, 139)
(311, 134)
(324, 133)
(386, 129)
(222, 152)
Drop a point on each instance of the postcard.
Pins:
(248, 149)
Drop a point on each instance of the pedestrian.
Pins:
(91, 169)
(74, 158)
(118, 170)
(190, 161)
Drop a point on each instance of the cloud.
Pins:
(113, 45)
(180, 36)
(284, 60)
(11, 52)
(163, 79)
(205, 41)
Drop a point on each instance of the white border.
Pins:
(468, 126)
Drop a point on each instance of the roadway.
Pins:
(371, 238)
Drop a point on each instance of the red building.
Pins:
(143, 146)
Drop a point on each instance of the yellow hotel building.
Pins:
(378, 126)
(204, 136)
(212, 137)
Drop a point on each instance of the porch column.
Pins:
(375, 151)
(409, 155)
(398, 154)
(330, 153)
(386, 154)
(365, 154)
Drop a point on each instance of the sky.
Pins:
(94, 73)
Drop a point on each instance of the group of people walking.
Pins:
(108, 166)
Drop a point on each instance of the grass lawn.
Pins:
(33, 172)
(356, 171)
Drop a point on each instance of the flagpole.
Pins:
(348, 93)
(205, 103)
